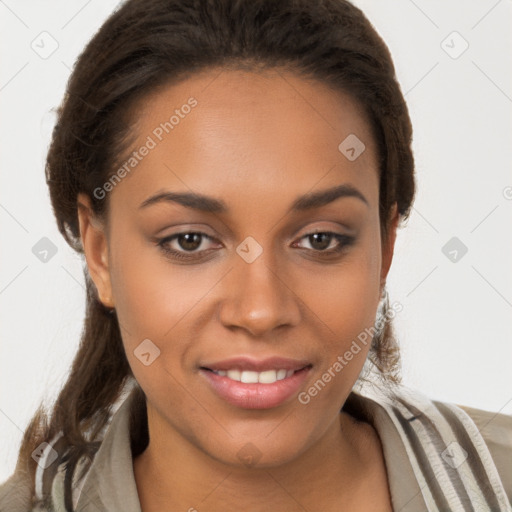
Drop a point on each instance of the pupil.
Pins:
(325, 240)
(191, 241)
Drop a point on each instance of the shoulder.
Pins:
(22, 493)
(468, 450)
(16, 493)
(496, 430)
(486, 435)
(43, 491)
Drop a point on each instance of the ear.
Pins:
(95, 246)
(389, 247)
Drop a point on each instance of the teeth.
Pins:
(249, 377)
(234, 375)
(267, 377)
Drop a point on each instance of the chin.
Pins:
(264, 452)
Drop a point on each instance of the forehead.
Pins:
(247, 135)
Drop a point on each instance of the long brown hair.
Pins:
(146, 44)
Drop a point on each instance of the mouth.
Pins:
(251, 384)
(250, 377)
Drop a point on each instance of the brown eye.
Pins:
(320, 241)
(184, 245)
(189, 241)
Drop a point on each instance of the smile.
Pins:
(248, 377)
(250, 384)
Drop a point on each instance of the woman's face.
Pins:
(255, 291)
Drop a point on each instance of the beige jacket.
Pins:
(439, 457)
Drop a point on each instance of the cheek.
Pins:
(346, 295)
(151, 293)
(161, 302)
(344, 302)
(349, 303)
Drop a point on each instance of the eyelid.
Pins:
(342, 242)
(348, 232)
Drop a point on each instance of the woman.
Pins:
(234, 173)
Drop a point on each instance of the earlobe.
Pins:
(95, 247)
(389, 247)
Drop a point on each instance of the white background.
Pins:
(455, 329)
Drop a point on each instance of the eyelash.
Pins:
(344, 241)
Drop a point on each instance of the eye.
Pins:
(322, 242)
(190, 245)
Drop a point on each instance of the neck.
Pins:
(327, 474)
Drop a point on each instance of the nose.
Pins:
(259, 297)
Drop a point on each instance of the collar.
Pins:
(110, 482)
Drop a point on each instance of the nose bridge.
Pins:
(257, 297)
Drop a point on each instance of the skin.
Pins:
(257, 141)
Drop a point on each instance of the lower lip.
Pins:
(256, 396)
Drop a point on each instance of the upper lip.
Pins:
(257, 365)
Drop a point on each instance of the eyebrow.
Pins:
(209, 204)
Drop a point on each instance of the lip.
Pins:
(256, 395)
